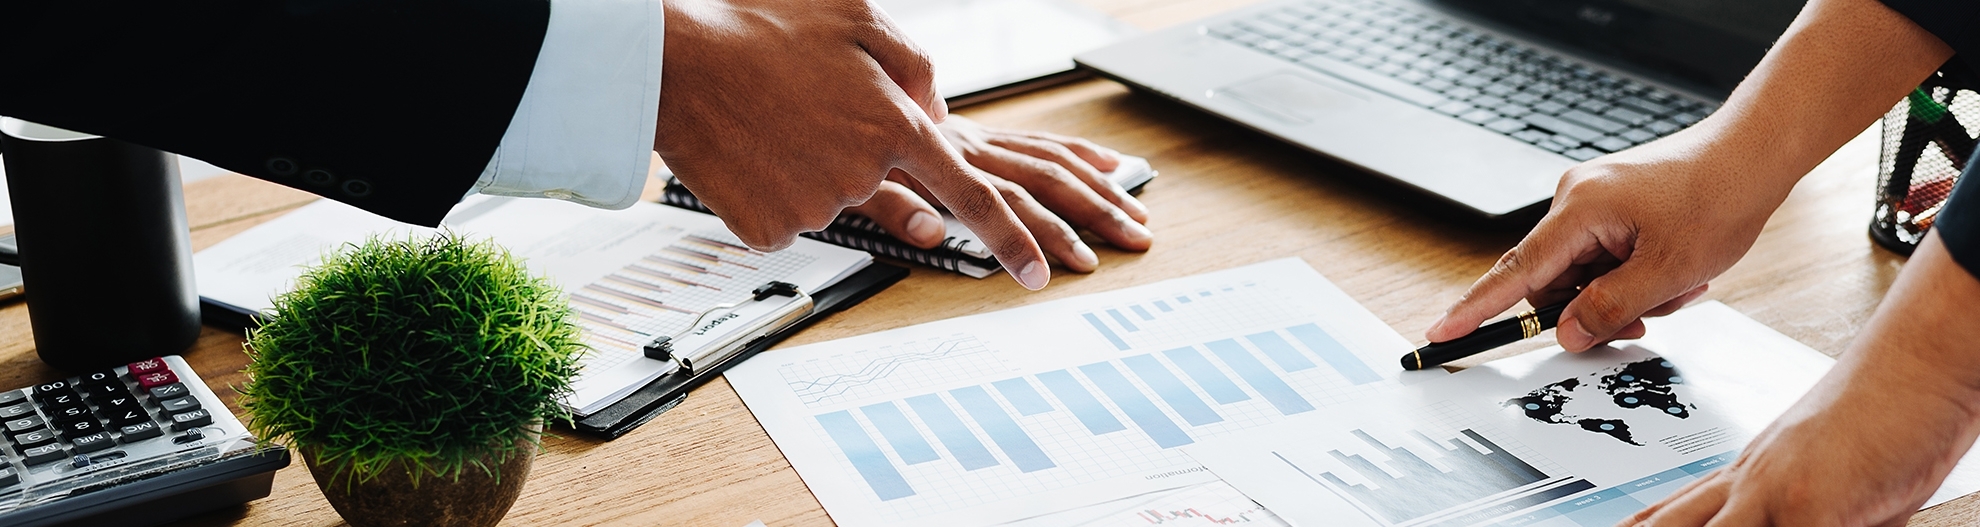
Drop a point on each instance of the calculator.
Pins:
(145, 443)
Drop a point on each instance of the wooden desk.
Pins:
(1226, 197)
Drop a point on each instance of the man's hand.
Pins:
(778, 114)
(1048, 179)
(1871, 441)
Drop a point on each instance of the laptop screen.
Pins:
(1711, 43)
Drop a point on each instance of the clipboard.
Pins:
(669, 390)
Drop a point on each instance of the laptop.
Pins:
(1483, 103)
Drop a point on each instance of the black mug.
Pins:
(106, 257)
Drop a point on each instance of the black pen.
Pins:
(1525, 326)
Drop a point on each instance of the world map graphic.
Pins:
(1643, 384)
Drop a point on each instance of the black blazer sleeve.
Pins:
(394, 106)
(1957, 22)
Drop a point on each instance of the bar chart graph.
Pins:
(1082, 422)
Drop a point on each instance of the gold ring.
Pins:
(1529, 325)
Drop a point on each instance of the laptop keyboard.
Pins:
(1450, 67)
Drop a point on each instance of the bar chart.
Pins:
(1083, 422)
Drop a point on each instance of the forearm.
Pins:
(1839, 67)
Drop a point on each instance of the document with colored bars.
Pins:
(632, 274)
(1003, 416)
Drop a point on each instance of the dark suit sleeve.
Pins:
(394, 106)
(1957, 22)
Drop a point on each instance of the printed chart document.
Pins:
(632, 274)
(1205, 504)
(1546, 439)
(1003, 416)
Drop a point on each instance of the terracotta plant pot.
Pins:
(475, 499)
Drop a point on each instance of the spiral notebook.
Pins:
(961, 252)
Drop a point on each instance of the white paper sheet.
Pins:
(1003, 416)
(632, 274)
(1546, 439)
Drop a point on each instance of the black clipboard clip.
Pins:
(720, 351)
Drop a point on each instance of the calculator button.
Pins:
(43, 454)
(69, 413)
(117, 403)
(168, 391)
(35, 438)
(146, 366)
(77, 429)
(8, 477)
(93, 442)
(62, 397)
(141, 431)
(16, 411)
(101, 378)
(180, 404)
(127, 416)
(12, 397)
(100, 391)
(192, 419)
(157, 378)
(41, 390)
(23, 424)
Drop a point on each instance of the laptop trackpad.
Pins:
(1292, 98)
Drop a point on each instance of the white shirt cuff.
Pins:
(584, 129)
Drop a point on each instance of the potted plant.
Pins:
(414, 377)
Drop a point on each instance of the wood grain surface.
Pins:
(1226, 197)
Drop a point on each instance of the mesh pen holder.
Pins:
(1928, 138)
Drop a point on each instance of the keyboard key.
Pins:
(69, 413)
(1479, 116)
(10, 412)
(1531, 136)
(8, 477)
(24, 424)
(157, 378)
(1637, 136)
(140, 431)
(146, 366)
(1551, 146)
(1436, 84)
(128, 415)
(1499, 89)
(1662, 127)
(1645, 105)
(35, 438)
(1524, 98)
(43, 454)
(180, 404)
(1612, 144)
(61, 399)
(192, 419)
(1506, 126)
(1474, 81)
(1461, 93)
(1486, 101)
(1582, 154)
(1593, 121)
(1512, 110)
(1412, 76)
(74, 429)
(168, 391)
(1455, 108)
(1559, 126)
(1687, 118)
(1593, 106)
(12, 397)
(97, 391)
(1566, 97)
(55, 387)
(92, 442)
(1549, 107)
(1627, 116)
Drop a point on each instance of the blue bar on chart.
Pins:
(1105, 331)
(866, 457)
(894, 425)
(1142, 312)
(1206, 375)
(1022, 396)
(1611, 505)
(1182, 299)
(1003, 430)
(951, 431)
(1164, 306)
(1081, 402)
(1172, 390)
(1123, 320)
(1280, 351)
(1260, 377)
(1138, 408)
(1334, 353)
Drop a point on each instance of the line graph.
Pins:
(888, 369)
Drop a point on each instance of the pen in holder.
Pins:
(105, 255)
(1927, 139)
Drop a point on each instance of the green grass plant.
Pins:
(433, 352)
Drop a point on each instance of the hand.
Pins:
(778, 114)
(1640, 231)
(1871, 441)
(1043, 176)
